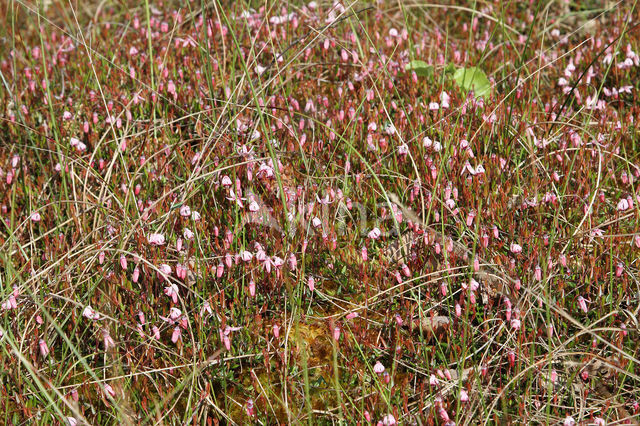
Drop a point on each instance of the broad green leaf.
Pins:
(473, 79)
(421, 68)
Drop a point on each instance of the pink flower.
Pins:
(156, 239)
(44, 349)
(464, 396)
(35, 217)
(174, 314)
(563, 260)
(374, 234)
(569, 421)
(582, 303)
(515, 248)
(623, 205)
(10, 303)
(90, 313)
(311, 283)
(293, 262)
(172, 292)
(537, 273)
(470, 218)
(399, 320)
(252, 288)
(389, 420)
(185, 211)
(378, 368)
(175, 336)
(219, 270)
(276, 330)
(515, 324)
(123, 261)
(107, 340)
(405, 270)
(206, 308)
(584, 374)
(156, 332)
(108, 391)
(225, 335)
(250, 409)
(443, 414)
(336, 333)
(433, 380)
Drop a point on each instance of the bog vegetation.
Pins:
(273, 212)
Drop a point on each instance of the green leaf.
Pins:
(473, 79)
(450, 68)
(421, 68)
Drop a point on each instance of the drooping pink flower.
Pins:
(44, 349)
(443, 414)
(433, 380)
(108, 391)
(336, 333)
(107, 340)
(175, 336)
(537, 273)
(249, 408)
(172, 292)
(582, 303)
(515, 324)
(378, 368)
(515, 248)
